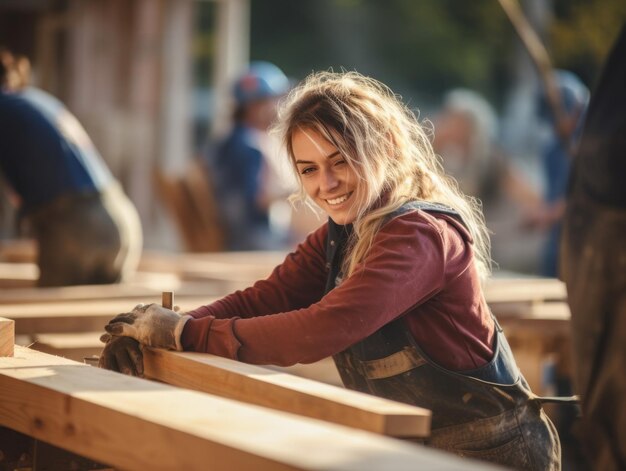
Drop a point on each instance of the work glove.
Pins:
(121, 354)
(151, 325)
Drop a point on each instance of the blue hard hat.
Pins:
(573, 92)
(261, 80)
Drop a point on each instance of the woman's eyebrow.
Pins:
(329, 156)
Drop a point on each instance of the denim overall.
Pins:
(488, 413)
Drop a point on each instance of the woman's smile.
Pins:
(341, 199)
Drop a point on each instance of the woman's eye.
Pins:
(339, 162)
(306, 170)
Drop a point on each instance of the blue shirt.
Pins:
(44, 151)
(237, 164)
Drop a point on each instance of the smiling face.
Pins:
(326, 176)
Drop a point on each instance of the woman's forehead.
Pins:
(310, 140)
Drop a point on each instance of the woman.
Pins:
(390, 286)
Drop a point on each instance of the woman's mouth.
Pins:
(340, 199)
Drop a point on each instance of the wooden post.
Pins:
(167, 299)
(7, 337)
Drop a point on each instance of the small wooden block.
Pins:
(7, 337)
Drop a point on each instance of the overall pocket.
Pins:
(497, 439)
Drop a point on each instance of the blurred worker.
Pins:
(87, 230)
(594, 267)
(465, 134)
(556, 156)
(240, 166)
(466, 138)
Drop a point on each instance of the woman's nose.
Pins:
(329, 181)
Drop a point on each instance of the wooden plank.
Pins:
(134, 424)
(540, 337)
(79, 316)
(18, 275)
(7, 337)
(553, 315)
(500, 290)
(134, 291)
(75, 346)
(281, 391)
(18, 250)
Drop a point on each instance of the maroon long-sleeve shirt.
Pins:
(420, 265)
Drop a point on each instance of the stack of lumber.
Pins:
(68, 322)
(135, 424)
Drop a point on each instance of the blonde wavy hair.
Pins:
(385, 145)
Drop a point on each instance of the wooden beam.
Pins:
(281, 391)
(543, 316)
(75, 346)
(134, 424)
(18, 275)
(7, 337)
(506, 290)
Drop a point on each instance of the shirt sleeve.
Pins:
(296, 283)
(404, 267)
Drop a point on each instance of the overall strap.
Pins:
(429, 207)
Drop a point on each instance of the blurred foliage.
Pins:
(421, 48)
(582, 32)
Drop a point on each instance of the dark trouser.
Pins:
(594, 269)
(87, 238)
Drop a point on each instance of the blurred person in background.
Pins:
(466, 130)
(466, 139)
(556, 159)
(242, 166)
(594, 266)
(86, 229)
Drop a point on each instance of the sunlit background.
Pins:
(150, 79)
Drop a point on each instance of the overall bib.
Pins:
(488, 413)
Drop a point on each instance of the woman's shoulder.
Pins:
(427, 216)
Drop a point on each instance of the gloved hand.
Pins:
(151, 325)
(121, 354)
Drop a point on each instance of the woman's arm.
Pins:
(404, 268)
(297, 282)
